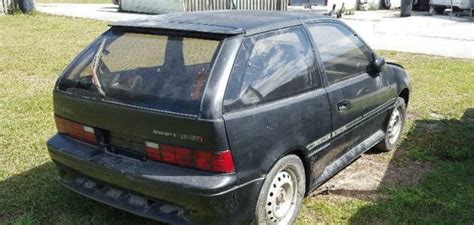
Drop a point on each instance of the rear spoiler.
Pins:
(164, 23)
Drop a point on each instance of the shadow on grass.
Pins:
(36, 197)
(445, 195)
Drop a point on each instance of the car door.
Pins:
(358, 98)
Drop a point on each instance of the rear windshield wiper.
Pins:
(95, 66)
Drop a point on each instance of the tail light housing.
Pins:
(75, 130)
(211, 161)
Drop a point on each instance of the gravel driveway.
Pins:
(420, 33)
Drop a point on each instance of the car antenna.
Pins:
(94, 67)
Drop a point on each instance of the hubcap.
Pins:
(394, 126)
(281, 198)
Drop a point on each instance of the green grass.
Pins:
(75, 1)
(446, 196)
(35, 48)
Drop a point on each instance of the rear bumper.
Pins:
(154, 190)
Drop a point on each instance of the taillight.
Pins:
(75, 130)
(212, 161)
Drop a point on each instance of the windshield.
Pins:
(154, 71)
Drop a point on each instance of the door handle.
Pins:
(343, 105)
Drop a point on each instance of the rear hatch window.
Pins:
(154, 71)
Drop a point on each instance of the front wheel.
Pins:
(394, 127)
(386, 4)
(282, 192)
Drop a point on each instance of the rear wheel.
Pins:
(394, 127)
(437, 9)
(282, 192)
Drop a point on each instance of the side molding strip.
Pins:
(349, 125)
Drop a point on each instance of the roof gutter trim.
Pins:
(271, 27)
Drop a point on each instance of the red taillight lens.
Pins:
(184, 157)
(223, 162)
(167, 154)
(75, 130)
(215, 161)
(203, 160)
(219, 162)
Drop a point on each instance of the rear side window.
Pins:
(146, 70)
(269, 67)
(342, 53)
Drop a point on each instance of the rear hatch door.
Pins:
(134, 87)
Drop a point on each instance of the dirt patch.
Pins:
(368, 175)
(412, 115)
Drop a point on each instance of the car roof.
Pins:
(227, 22)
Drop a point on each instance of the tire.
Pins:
(439, 9)
(119, 3)
(277, 204)
(393, 127)
(386, 4)
(406, 7)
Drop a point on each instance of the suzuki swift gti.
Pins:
(225, 117)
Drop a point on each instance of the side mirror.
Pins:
(378, 65)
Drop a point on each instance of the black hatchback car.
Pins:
(226, 117)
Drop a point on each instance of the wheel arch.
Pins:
(405, 94)
(306, 164)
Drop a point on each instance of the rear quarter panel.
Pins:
(260, 136)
